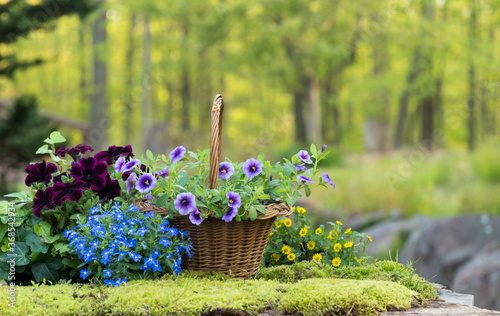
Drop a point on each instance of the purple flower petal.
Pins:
(300, 168)
(90, 170)
(119, 164)
(304, 179)
(68, 191)
(252, 168)
(177, 154)
(304, 156)
(323, 148)
(185, 203)
(131, 165)
(131, 182)
(226, 170)
(113, 153)
(163, 173)
(39, 173)
(327, 179)
(195, 217)
(145, 183)
(43, 199)
(234, 199)
(111, 189)
(230, 214)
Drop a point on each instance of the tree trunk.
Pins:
(99, 122)
(129, 61)
(185, 88)
(146, 85)
(298, 109)
(315, 105)
(471, 104)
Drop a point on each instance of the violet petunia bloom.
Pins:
(43, 199)
(304, 156)
(185, 203)
(177, 154)
(323, 148)
(130, 183)
(113, 153)
(234, 199)
(226, 170)
(111, 189)
(195, 217)
(131, 165)
(163, 173)
(145, 183)
(68, 191)
(305, 179)
(230, 214)
(39, 173)
(120, 162)
(90, 170)
(252, 168)
(300, 168)
(327, 179)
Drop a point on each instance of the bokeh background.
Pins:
(406, 94)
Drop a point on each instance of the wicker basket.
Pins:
(234, 248)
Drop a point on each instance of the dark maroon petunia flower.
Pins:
(125, 175)
(113, 153)
(90, 170)
(58, 178)
(39, 173)
(43, 199)
(68, 190)
(61, 152)
(110, 190)
(74, 152)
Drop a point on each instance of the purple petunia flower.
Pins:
(130, 165)
(43, 199)
(300, 168)
(113, 153)
(111, 189)
(305, 179)
(195, 217)
(323, 148)
(327, 179)
(304, 156)
(230, 214)
(39, 173)
(163, 173)
(120, 162)
(177, 154)
(252, 168)
(131, 182)
(145, 183)
(234, 199)
(91, 171)
(185, 203)
(68, 191)
(226, 170)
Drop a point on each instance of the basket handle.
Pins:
(215, 140)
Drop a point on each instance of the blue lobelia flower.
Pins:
(162, 228)
(230, 214)
(173, 231)
(108, 282)
(141, 231)
(327, 179)
(252, 168)
(107, 273)
(304, 156)
(165, 242)
(155, 254)
(135, 256)
(177, 154)
(145, 183)
(226, 170)
(185, 203)
(131, 243)
(305, 179)
(84, 273)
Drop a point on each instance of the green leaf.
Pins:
(162, 200)
(307, 188)
(149, 154)
(259, 190)
(289, 169)
(182, 182)
(22, 233)
(43, 229)
(261, 208)
(314, 151)
(62, 247)
(42, 272)
(51, 239)
(43, 150)
(21, 254)
(3, 231)
(291, 201)
(4, 208)
(264, 197)
(74, 263)
(200, 204)
(36, 244)
(252, 212)
(54, 138)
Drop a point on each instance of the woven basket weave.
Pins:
(234, 248)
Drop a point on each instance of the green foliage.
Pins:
(295, 240)
(485, 162)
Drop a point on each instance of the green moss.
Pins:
(194, 295)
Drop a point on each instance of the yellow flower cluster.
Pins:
(317, 257)
(319, 231)
(311, 245)
(291, 256)
(337, 247)
(301, 210)
(288, 222)
(336, 262)
(278, 223)
(303, 231)
(331, 234)
(275, 256)
(286, 250)
(348, 244)
(347, 231)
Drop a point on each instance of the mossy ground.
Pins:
(312, 290)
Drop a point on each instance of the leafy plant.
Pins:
(295, 240)
(117, 243)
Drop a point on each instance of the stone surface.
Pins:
(439, 307)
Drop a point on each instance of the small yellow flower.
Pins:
(336, 262)
(319, 231)
(286, 250)
(270, 234)
(288, 222)
(311, 245)
(348, 244)
(275, 257)
(331, 234)
(291, 257)
(293, 209)
(278, 223)
(317, 257)
(303, 231)
(369, 238)
(339, 223)
(358, 260)
(301, 210)
(337, 247)
(347, 231)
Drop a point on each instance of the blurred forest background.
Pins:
(406, 94)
